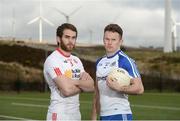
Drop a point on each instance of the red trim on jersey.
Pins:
(54, 116)
(57, 71)
(60, 51)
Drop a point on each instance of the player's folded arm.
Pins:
(66, 86)
(86, 83)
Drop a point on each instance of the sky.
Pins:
(141, 20)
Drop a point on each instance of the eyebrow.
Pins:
(66, 35)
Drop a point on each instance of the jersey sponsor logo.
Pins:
(57, 71)
(74, 73)
(54, 116)
(102, 78)
(68, 73)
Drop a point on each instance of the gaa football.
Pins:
(120, 75)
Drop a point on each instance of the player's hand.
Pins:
(85, 76)
(114, 85)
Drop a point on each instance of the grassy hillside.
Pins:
(26, 59)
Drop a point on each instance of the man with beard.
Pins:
(66, 77)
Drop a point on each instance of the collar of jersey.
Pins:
(62, 53)
(114, 54)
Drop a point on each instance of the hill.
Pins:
(23, 62)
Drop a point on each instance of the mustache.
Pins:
(70, 44)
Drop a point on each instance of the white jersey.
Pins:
(113, 102)
(55, 65)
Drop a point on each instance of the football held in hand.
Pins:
(120, 75)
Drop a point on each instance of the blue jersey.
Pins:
(113, 102)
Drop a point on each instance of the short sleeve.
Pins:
(131, 67)
(53, 68)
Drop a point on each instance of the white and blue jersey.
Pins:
(113, 102)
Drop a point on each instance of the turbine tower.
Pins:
(174, 33)
(40, 18)
(13, 24)
(168, 26)
(67, 16)
(90, 35)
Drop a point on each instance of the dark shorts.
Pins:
(118, 117)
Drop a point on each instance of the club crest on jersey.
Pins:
(113, 64)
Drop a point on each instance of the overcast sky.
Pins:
(141, 20)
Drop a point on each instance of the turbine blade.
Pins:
(34, 20)
(73, 12)
(62, 13)
(47, 21)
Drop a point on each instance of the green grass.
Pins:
(159, 106)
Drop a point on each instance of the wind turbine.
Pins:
(13, 23)
(174, 33)
(40, 18)
(67, 16)
(168, 28)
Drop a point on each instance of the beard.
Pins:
(68, 47)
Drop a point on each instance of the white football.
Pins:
(120, 75)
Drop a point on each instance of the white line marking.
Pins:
(35, 105)
(12, 117)
(156, 107)
(29, 105)
(24, 98)
(135, 105)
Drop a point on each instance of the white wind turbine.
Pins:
(67, 16)
(13, 23)
(40, 18)
(90, 35)
(168, 28)
(174, 33)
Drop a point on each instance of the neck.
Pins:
(111, 53)
(65, 53)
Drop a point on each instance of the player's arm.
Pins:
(136, 87)
(66, 85)
(96, 103)
(86, 83)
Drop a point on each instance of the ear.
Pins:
(122, 41)
(58, 39)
